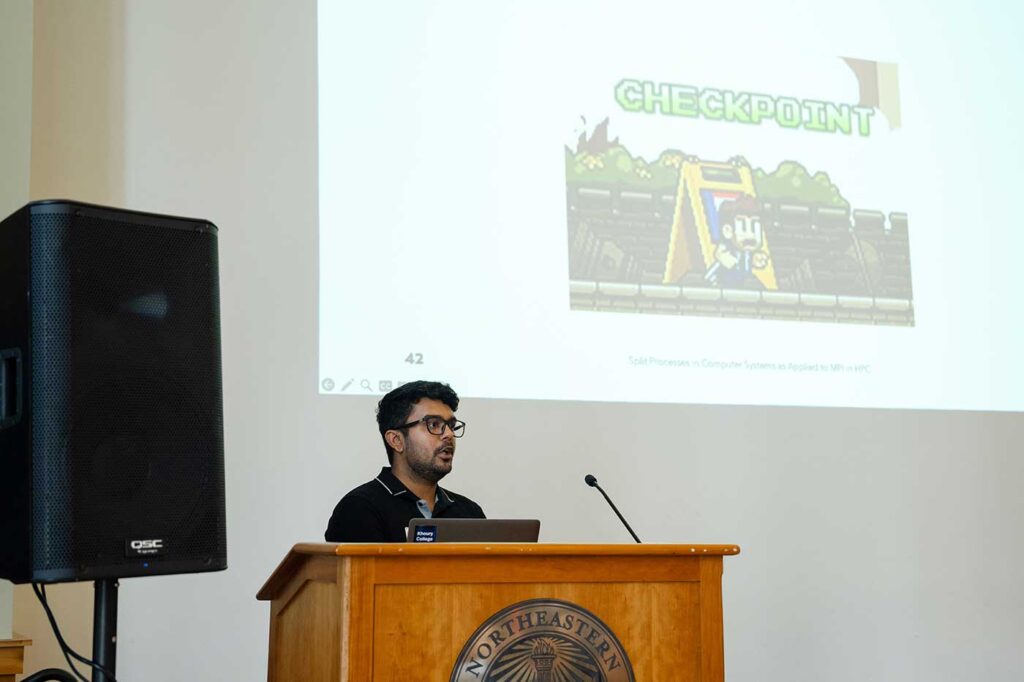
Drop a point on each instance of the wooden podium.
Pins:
(432, 613)
(12, 657)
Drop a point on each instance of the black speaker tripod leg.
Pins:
(104, 628)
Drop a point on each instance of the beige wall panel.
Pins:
(78, 101)
(15, 145)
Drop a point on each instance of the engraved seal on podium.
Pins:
(540, 640)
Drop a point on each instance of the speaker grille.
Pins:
(126, 390)
(51, 344)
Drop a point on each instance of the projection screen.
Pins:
(582, 204)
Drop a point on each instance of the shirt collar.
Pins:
(396, 488)
(390, 482)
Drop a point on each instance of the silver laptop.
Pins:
(474, 530)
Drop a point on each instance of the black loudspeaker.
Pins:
(111, 414)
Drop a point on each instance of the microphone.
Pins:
(592, 482)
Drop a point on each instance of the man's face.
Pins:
(428, 456)
(745, 232)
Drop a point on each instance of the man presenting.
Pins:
(418, 425)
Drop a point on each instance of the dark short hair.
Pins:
(394, 408)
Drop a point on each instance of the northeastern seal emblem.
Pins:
(542, 640)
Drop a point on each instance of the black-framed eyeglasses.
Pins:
(436, 424)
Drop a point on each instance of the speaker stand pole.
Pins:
(104, 628)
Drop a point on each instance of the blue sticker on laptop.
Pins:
(426, 534)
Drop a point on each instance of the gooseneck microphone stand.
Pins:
(590, 480)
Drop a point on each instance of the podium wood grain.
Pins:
(12, 657)
(404, 612)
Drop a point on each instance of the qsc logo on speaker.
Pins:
(154, 547)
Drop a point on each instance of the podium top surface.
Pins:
(15, 641)
(411, 550)
(504, 548)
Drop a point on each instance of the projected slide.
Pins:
(723, 225)
(591, 205)
(727, 239)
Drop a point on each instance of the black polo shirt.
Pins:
(379, 511)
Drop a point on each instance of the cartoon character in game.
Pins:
(740, 249)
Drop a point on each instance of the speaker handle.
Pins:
(10, 387)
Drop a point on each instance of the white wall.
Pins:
(876, 545)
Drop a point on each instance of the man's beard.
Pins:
(428, 470)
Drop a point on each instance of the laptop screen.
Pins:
(474, 530)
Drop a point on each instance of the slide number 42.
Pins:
(414, 358)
